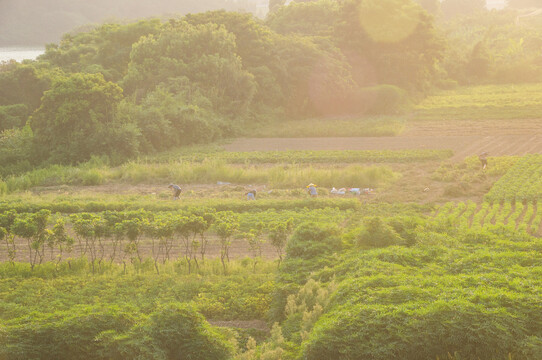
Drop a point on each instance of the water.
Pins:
(20, 53)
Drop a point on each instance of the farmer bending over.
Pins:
(176, 191)
(251, 195)
(483, 159)
(311, 188)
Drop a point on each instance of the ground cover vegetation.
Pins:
(482, 282)
(394, 279)
(210, 165)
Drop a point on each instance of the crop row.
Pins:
(324, 156)
(522, 182)
(483, 102)
(470, 215)
(71, 205)
(127, 237)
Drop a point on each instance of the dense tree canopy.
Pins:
(77, 119)
(150, 85)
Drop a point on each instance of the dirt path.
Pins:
(238, 250)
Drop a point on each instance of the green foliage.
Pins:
(76, 120)
(22, 87)
(311, 240)
(396, 37)
(312, 157)
(305, 18)
(523, 182)
(15, 150)
(97, 332)
(12, 116)
(489, 102)
(173, 332)
(204, 54)
(64, 334)
(393, 302)
(376, 233)
(105, 49)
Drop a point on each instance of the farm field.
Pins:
(283, 180)
(441, 259)
(116, 262)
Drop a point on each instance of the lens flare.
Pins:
(389, 21)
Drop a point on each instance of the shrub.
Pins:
(376, 233)
(311, 240)
(63, 335)
(176, 332)
(415, 331)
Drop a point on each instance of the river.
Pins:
(20, 53)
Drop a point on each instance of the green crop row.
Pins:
(315, 157)
(78, 204)
(483, 102)
(522, 182)
(469, 215)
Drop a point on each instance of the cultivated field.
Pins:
(441, 260)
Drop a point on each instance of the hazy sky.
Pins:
(37, 22)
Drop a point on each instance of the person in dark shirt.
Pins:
(176, 191)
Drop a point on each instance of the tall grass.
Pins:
(206, 172)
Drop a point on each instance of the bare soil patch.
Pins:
(464, 137)
(462, 145)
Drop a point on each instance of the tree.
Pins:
(480, 61)
(391, 42)
(279, 233)
(161, 232)
(305, 18)
(204, 54)
(226, 226)
(255, 243)
(33, 228)
(15, 150)
(77, 120)
(60, 239)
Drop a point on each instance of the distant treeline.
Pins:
(127, 89)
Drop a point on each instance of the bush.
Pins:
(413, 332)
(311, 240)
(66, 335)
(376, 233)
(173, 332)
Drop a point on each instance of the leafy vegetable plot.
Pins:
(484, 102)
(523, 182)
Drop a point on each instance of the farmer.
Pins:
(311, 188)
(251, 195)
(176, 191)
(483, 159)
